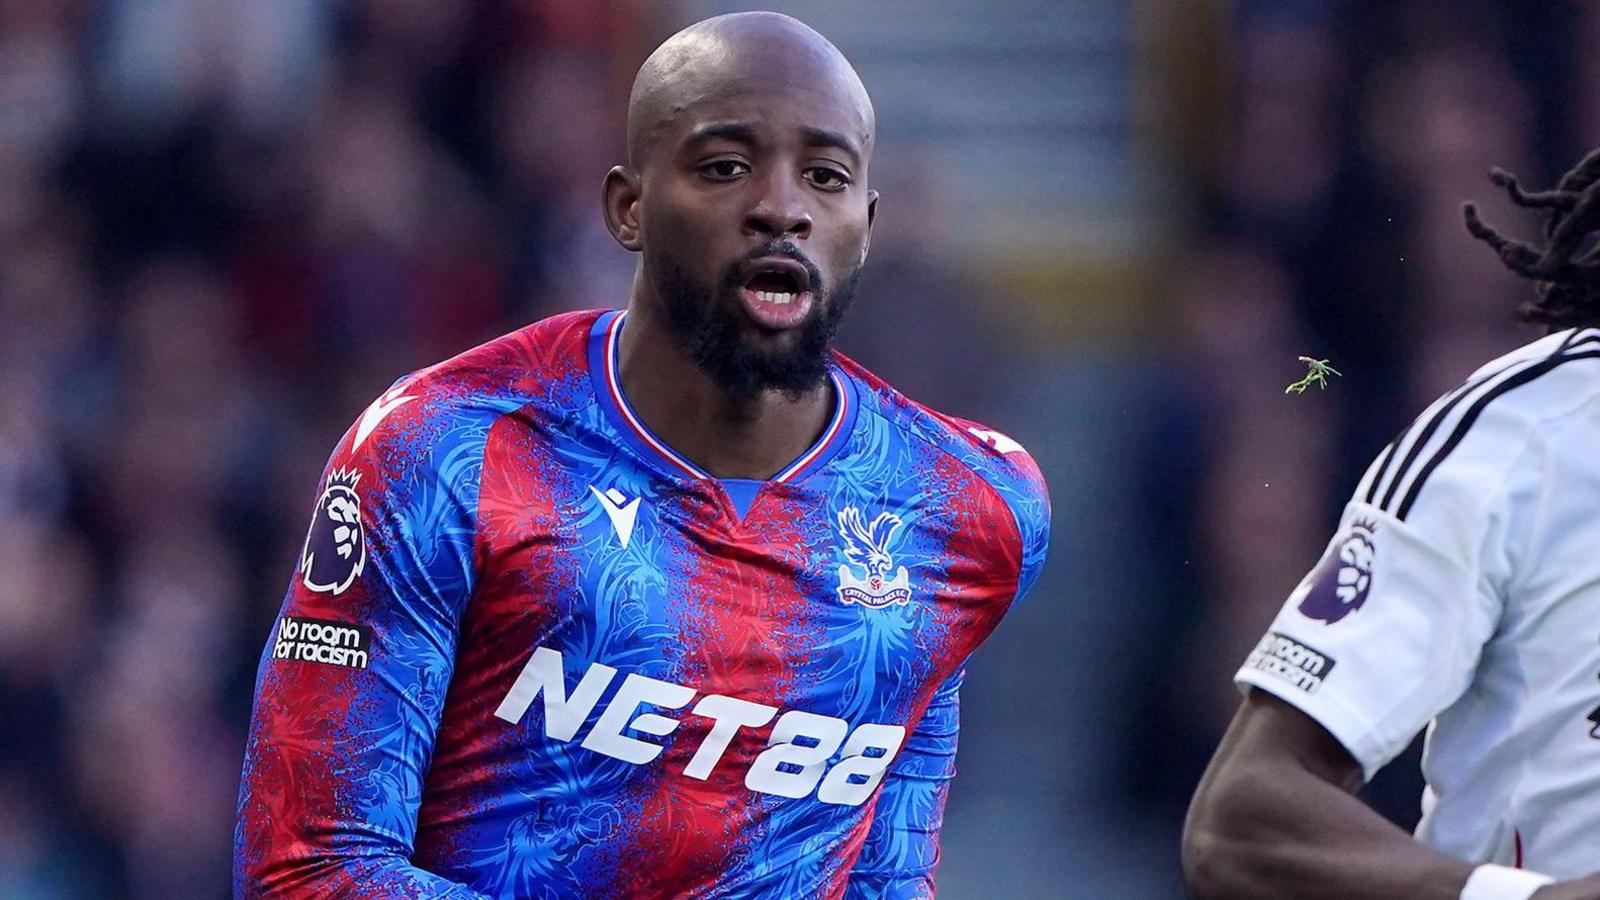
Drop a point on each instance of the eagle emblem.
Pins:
(864, 578)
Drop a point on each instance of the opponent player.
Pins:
(660, 603)
(1463, 587)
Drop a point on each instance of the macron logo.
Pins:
(620, 510)
(377, 412)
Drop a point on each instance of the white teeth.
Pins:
(779, 297)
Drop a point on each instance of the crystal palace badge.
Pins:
(866, 547)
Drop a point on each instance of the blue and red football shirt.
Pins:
(531, 651)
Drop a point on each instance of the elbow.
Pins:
(1205, 859)
(1221, 843)
(249, 880)
(266, 875)
(289, 879)
(263, 875)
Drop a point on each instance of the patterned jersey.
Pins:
(531, 651)
(1463, 588)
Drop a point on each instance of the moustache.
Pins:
(785, 249)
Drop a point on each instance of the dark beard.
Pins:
(710, 324)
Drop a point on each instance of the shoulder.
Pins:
(1001, 463)
(1488, 429)
(409, 470)
(544, 362)
(436, 415)
(1528, 393)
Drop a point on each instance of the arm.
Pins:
(902, 846)
(1387, 631)
(901, 850)
(1275, 816)
(352, 683)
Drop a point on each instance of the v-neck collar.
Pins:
(604, 368)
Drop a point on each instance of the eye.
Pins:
(827, 179)
(724, 169)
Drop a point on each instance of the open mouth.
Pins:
(777, 280)
(776, 293)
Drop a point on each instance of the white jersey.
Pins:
(1463, 588)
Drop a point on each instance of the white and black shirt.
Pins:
(1463, 589)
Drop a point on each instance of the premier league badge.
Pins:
(1339, 584)
(867, 548)
(336, 547)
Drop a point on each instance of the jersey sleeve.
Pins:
(1014, 475)
(1031, 504)
(902, 845)
(352, 682)
(1386, 630)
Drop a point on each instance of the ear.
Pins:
(621, 201)
(872, 214)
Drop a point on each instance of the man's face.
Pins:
(754, 220)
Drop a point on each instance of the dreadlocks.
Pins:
(1568, 271)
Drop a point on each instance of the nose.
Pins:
(779, 212)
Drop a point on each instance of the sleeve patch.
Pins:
(1300, 665)
(344, 644)
(1341, 581)
(336, 545)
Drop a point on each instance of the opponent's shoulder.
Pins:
(1481, 433)
(997, 459)
(1542, 380)
(453, 403)
(1523, 394)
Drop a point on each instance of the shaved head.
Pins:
(745, 195)
(722, 56)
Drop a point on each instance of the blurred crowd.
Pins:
(226, 225)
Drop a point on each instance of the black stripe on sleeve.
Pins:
(1383, 463)
(1510, 384)
(1581, 337)
(1427, 433)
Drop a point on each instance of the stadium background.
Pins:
(1108, 229)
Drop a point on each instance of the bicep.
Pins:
(1274, 815)
(1270, 752)
(1267, 732)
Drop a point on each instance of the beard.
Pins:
(710, 321)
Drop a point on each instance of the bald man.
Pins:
(663, 602)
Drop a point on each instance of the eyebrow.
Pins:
(738, 132)
(745, 133)
(819, 137)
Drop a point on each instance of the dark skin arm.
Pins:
(1276, 816)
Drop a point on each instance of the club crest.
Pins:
(336, 546)
(865, 579)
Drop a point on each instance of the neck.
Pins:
(752, 437)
